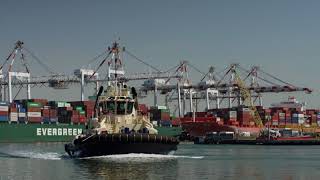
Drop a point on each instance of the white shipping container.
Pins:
(67, 105)
(14, 114)
(4, 108)
(162, 107)
(22, 114)
(34, 114)
(46, 107)
(233, 114)
(60, 104)
(14, 117)
(282, 114)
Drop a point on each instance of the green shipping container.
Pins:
(165, 110)
(79, 108)
(93, 98)
(34, 104)
(82, 112)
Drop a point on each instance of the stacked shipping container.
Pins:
(276, 116)
(13, 111)
(4, 111)
(42, 111)
(161, 115)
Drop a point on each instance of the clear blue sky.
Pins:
(282, 37)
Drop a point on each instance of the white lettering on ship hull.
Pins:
(58, 131)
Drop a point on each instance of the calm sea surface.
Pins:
(48, 161)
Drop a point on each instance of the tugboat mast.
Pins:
(115, 67)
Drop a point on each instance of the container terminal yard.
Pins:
(233, 100)
(172, 90)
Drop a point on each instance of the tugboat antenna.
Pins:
(97, 98)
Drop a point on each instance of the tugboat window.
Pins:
(111, 106)
(130, 107)
(121, 107)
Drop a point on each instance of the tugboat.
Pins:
(117, 127)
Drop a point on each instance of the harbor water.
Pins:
(48, 161)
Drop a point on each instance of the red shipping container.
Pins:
(34, 109)
(13, 109)
(89, 109)
(75, 113)
(75, 119)
(88, 103)
(267, 111)
(82, 119)
(45, 113)
(232, 119)
(204, 119)
(288, 115)
(275, 117)
(53, 112)
(201, 114)
(4, 113)
(313, 118)
(233, 123)
(89, 115)
(35, 119)
(310, 112)
(44, 102)
(165, 116)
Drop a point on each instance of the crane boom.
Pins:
(245, 93)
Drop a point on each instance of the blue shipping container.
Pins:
(54, 119)
(165, 123)
(21, 119)
(46, 120)
(23, 110)
(295, 119)
(4, 118)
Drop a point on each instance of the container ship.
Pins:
(286, 114)
(40, 120)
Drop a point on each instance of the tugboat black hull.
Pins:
(109, 144)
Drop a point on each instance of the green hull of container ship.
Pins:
(169, 131)
(12, 133)
(38, 132)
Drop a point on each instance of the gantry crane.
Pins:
(246, 96)
(81, 76)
